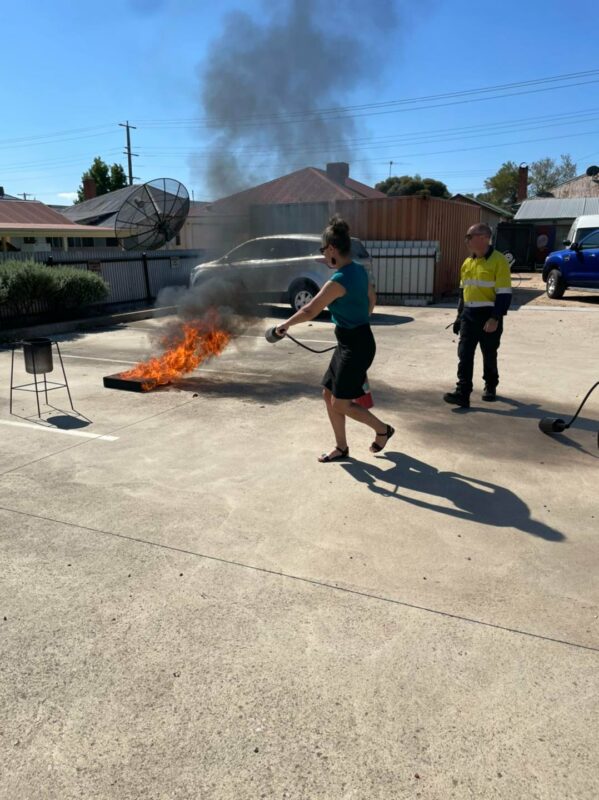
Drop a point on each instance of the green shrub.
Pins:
(76, 288)
(24, 284)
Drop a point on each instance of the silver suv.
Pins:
(284, 268)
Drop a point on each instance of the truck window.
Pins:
(582, 232)
(592, 242)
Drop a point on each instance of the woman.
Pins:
(350, 299)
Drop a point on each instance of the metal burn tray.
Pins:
(117, 381)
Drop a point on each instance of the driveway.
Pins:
(193, 607)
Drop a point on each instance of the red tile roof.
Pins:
(308, 185)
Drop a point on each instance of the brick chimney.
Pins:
(522, 182)
(1, 191)
(338, 171)
(89, 188)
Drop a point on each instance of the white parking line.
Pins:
(199, 369)
(35, 427)
(95, 358)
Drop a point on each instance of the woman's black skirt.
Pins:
(353, 356)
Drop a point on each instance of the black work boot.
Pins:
(457, 399)
(490, 394)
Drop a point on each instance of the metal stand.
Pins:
(48, 386)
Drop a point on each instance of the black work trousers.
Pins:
(472, 334)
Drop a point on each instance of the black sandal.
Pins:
(376, 448)
(343, 453)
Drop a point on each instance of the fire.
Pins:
(197, 342)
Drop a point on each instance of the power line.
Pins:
(56, 162)
(461, 133)
(49, 140)
(390, 106)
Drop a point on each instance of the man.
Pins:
(485, 296)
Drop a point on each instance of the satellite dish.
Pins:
(152, 215)
(592, 171)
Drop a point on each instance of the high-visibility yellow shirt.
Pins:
(484, 281)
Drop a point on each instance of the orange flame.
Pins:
(198, 342)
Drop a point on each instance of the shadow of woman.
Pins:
(473, 499)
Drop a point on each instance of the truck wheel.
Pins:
(555, 285)
(300, 293)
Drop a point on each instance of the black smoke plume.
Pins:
(272, 88)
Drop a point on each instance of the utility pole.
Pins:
(127, 150)
(390, 166)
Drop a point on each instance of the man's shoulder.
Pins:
(498, 257)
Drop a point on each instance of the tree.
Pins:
(543, 175)
(106, 178)
(547, 173)
(502, 188)
(407, 185)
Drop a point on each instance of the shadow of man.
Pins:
(473, 499)
(534, 411)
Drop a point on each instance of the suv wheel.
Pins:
(301, 293)
(555, 285)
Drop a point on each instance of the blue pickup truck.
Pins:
(578, 266)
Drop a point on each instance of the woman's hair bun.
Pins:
(338, 225)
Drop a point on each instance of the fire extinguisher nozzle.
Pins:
(552, 425)
(272, 336)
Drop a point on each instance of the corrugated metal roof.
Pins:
(102, 209)
(566, 208)
(308, 185)
(30, 212)
(475, 201)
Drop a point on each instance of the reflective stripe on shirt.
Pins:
(489, 284)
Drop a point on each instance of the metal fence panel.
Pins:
(404, 272)
(128, 277)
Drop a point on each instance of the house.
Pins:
(490, 214)
(230, 220)
(28, 226)
(103, 210)
(581, 186)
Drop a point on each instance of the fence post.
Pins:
(144, 260)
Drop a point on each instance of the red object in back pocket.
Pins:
(365, 400)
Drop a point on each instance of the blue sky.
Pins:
(73, 70)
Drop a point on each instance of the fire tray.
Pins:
(128, 384)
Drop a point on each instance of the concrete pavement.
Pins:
(195, 608)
